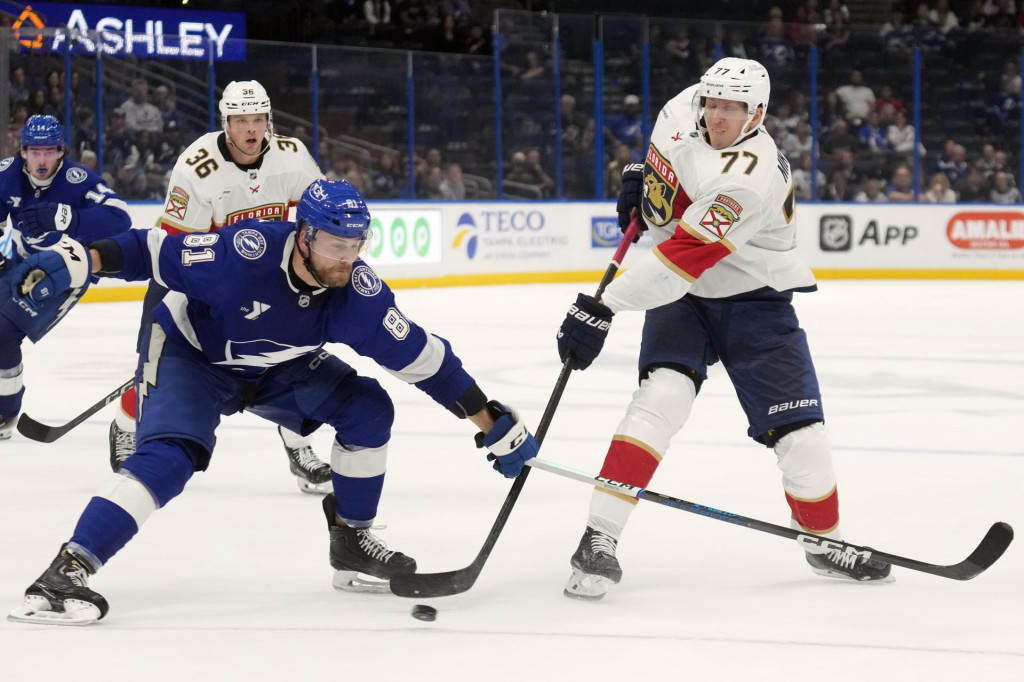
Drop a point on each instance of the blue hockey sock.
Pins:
(103, 529)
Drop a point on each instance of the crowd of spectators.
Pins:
(142, 135)
(866, 135)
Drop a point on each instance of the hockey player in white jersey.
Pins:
(717, 196)
(243, 171)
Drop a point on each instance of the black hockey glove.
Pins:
(583, 331)
(630, 195)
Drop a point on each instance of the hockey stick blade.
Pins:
(449, 583)
(30, 428)
(992, 546)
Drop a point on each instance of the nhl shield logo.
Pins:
(836, 233)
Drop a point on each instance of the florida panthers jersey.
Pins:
(233, 299)
(723, 217)
(208, 190)
(101, 213)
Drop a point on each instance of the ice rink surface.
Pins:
(923, 387)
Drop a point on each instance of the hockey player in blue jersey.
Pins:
(249, 310)
(54, 207)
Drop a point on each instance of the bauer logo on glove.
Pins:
(583, 331)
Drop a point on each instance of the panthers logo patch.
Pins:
(661, 187)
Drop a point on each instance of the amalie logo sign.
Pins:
(986, 230)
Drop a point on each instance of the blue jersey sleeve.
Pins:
(194, 264)
(101, 213)
(9, 186)
(372, 325)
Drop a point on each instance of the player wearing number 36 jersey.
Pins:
(209, 190)
(718, 197)
(243, 171)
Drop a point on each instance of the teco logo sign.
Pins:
(986, 230)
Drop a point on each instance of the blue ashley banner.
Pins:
(139, 31)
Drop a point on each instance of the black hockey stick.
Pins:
(458, 581)
(34, 430)
(992, 546)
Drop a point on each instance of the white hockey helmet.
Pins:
(732, 78)
(246, 97)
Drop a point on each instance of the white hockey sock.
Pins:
(609, 513)
(659, 408)
(124, 422)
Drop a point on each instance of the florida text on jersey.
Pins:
(208, 190)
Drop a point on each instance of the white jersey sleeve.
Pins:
(725, 218)
(188, 206)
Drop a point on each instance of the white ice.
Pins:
(923, 385)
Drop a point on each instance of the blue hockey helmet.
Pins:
(336, 208)
(42, 130)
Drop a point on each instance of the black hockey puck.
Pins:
(424, 612)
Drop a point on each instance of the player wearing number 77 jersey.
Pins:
(718, 197)
(243, 171)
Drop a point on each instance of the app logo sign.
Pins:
(988, 231)
(604, 233)
(836, 233)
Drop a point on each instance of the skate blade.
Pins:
(37, 610)
(586, 586)
(314, 488)
(836, 575)
(353, 581)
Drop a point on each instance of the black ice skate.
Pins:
(61, 595)
(311, 475)
(122, 446)
(357, 550)
(594, 566)
(838, 564)
(7, 425)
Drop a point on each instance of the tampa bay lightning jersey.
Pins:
(231, 297)
(101, 213)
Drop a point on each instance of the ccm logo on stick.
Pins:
(792, 405)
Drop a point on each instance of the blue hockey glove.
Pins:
(630, 195)
(48, 273)
(583, 331)
(37, 220)
(39, 277)
(509, 441)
